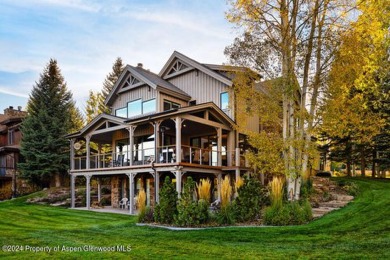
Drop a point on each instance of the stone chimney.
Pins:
(11, 112)
(140, 65)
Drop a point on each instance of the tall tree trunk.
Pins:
(363, 163)
(348, 168)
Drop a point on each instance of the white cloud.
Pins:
(87, 36)
(6, 90)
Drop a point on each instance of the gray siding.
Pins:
(145, 93)
(201, 87)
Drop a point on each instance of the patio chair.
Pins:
(123, 203)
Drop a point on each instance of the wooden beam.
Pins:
(205, 122)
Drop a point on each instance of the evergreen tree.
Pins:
(77, 119)
(93, 107)
(109, 83)
(44, 147)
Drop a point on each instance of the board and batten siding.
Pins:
(145, 93)
(201, 87)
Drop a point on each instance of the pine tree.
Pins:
(77, 119)
(92, 109)
(109, 83)
(44, 147)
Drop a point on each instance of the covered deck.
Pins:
(191, 140)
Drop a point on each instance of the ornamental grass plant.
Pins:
(276, 186)
(204, 188)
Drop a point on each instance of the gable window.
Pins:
(134, 108)
(224, 101)
(121, 112)
(168, 105)
(149, 106)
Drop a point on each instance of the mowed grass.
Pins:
(360, 230)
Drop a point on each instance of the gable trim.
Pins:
(128, 69)
(194, 64)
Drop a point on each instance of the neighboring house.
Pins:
(10, 136)
(178, 123)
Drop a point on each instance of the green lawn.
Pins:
(360, 230)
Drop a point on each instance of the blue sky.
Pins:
(86, 36)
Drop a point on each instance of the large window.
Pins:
(168, 105)
(134, 108)
(122, 112)
(149, 106)
(225, 101)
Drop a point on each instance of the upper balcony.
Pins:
(201, 136)
(166, 155)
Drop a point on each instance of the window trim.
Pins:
(220, 101)
(171, 103)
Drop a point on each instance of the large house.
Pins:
(178, 123)
(10, 137)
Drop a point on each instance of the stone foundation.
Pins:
(115, 191)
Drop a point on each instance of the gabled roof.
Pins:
(96, 122)
(150, 79)
(193, 63)
(159, 82)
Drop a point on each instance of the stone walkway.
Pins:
(338, 202)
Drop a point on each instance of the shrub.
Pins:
(226, 192)
(106, 190)
(238, 184)
(189, 211)
(291, 213)
(276, 195)
(204, 190)
(166, 210)
(251, 198)
(307, 188)
(226, 215)
(146, 216)
(105, 201)
(351, 188)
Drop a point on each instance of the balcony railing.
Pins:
(165, 155)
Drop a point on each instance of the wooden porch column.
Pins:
(237, 173)
(219, 146)
(99, 189)
(88, 191)
(178, 139)
(178, 174)
(238, 156)
(72, 154)
(87, 142)
(156, 126)
(131, 192)
(99, 154)
(72, 191)
(219, 180)
(131, 130)
(157, 186)
(230, 148)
